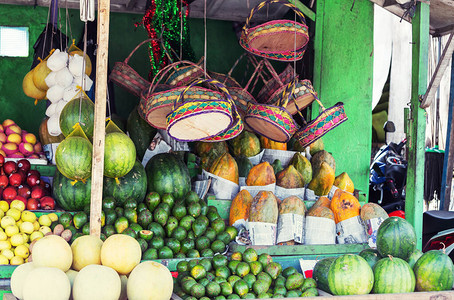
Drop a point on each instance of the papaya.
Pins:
(294, 145)
(225, 167)
(247, 144)
(203, 148)
(290, 178)
(206, 161)
(240, 207)
(277, 166)
(266, 143)
(303, 165)
(261, 174)
(292, 205)
(372, 210)
(244, 165)
(323, 181)
(316, 146)
(321, 212)
(264, 208)
(321, 202)
(344, 206)
(318, 158)
(344, 182)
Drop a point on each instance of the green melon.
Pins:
(434, 272)
(69, 195)
(413, 258)
(131, 186)
(73, 157)
(393, 275)
(396, 237)
(320, 273)
(371, 256)
(119, 155)
(78, 110)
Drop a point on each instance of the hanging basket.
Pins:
(282, 40)
(184, 75)
(328, 120)
(235, 129)
(200, 115)
(156, 101)
(273, 121)
(274, 84)
(126, 77)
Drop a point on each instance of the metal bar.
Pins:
(306, 10)
(100, 117)
(439, 72)
(416, 140)
(448, 162)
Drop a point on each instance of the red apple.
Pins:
(35, 172)
(4, 181)
(9, 193)
(24, 191)
(32, 204)
(13, 129)
(8, 122)
(47, 203)
(37, 192)
(10, 167)
(33, 180)
(2, 160)
(10, 148)
(28, 138)
(26, 149)
(15, 179)
(20, 198)
(24, 165)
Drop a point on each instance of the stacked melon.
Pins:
(90, 269)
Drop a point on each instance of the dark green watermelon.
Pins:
(393, 275)
(140, 132)
(434, 272)
(372, 256)
(320, 273)
(131, 186)
(244, 165)
(350, 274)
(69, 196)
(167, 173)
(396, 237)
(78, 110)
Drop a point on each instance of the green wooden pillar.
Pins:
(343, 72)
(417, 123)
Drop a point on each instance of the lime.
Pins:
(150, 254)
(192, 253)
(232, 265)
(206, 263)
(206, 253)
(219, 260)
(256, 267)
(250, 279)
(241, 288)
(186, 245)
(152, 200)
(157, 242)
(165, 252)
(236, 256)
(169, 199)
(218, 246)
(223, 272)
(198, 272)
(242, 269)
(250, 255)
(213, 289)
(182, 266)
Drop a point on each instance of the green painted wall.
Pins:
(343, 72)
(222, 49)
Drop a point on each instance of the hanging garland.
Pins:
(165, 20)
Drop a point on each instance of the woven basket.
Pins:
(235, 129)
(282, 40)
(274, 84)
(126, 77)
(156, 101)
(328, 120)
(272, 121)
(202, 117)
(183, 76)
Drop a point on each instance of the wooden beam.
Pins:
(439, 72)
(100, 117)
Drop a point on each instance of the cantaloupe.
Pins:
(97, 282)
(121, 252)
(86, 251)
(18, 279)
(150, 280)
(52, 251)
(46, 283)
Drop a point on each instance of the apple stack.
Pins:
(19, 182)
(18, 143)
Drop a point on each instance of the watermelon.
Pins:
(350, 274)
(393, 275)
(320, 273)
(71, 196)
(70, 116)
(131, 186)
(119, 154)
(396, 237)
(73, 157)
(140, 132)
(371, 256)
(413, 258)
(166, 173)
(434, 272)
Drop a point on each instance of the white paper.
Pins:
(176, 145)
(270, 155)
(351, 231)
(290, 227)
(242, 181)
(263, 234)
(371, 229)
(49, 151)
(309, 195)
(255, 160)
(255, 189)
(332, 191)
(157, 145)
(307, 266)
(221, 188)
(319, 231)
(283, 193)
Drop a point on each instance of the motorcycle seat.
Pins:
(437, 220)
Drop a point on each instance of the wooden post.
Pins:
(100, 117)
(417, 127)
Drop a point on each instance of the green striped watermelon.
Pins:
(119, 154)
(69, 195)
(350, 274)
(73, 157)
(413, 258)
(396, 237)
(166, 173)
(320, 273)
(70, 116)
(131, 186)
(393, 275)
(140, 132)
(371, 256)
(434, 272)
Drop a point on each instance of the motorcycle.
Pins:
(388, 174)
(438, 231)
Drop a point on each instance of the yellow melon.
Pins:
(30, 89)
(150, 280)
(40, 73)
(97, 282)
(52, 251)
(46, 283)
(86, 251)
(121, 252)
(18, 279)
